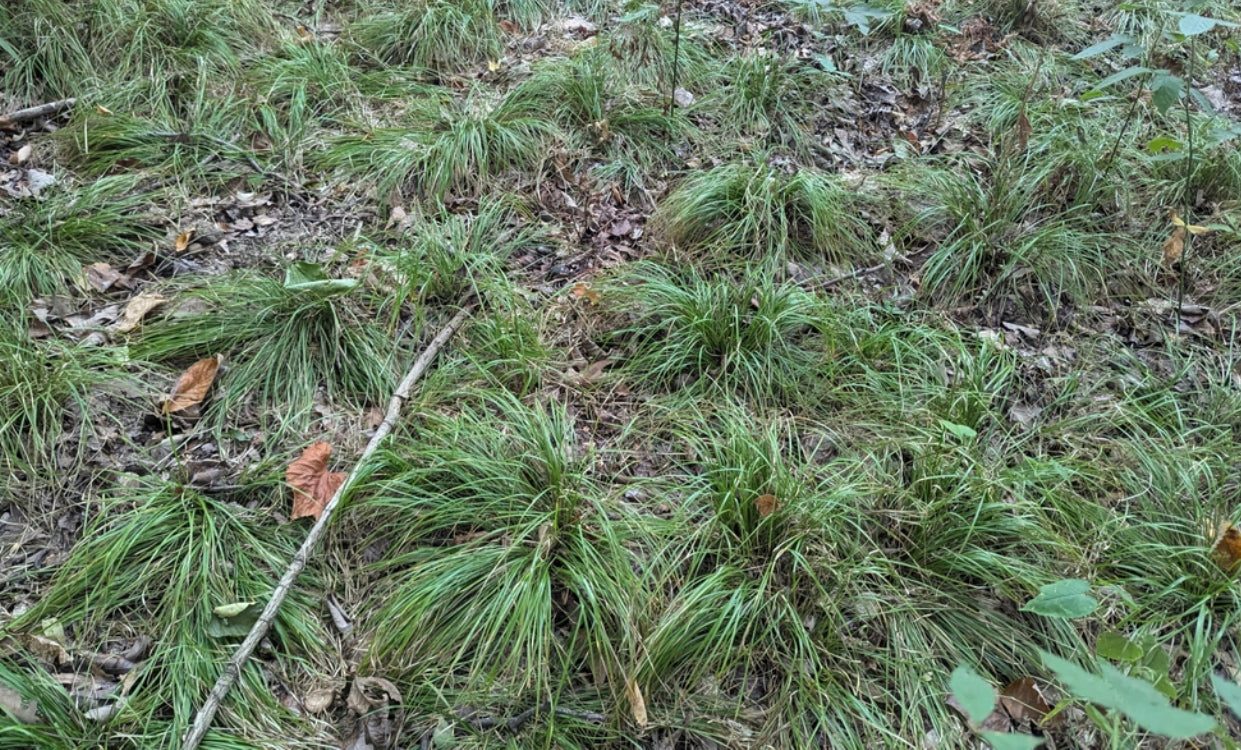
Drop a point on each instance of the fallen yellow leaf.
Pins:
(191, 388)
(183, 240)
(136, 309)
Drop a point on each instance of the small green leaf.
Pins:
(974, 693)
(1163, 143)
(232, 610)
(1166, 90)
(861, 16)
(1136, 699)
(1229, 692)
(1115, 78)
(1099, 48)
(962, 432)
(1067, 599)
(233, 625)
(1193, 25)
(304, 276)
(1006, 741)
(1116, 647)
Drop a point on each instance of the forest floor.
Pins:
(808, 343)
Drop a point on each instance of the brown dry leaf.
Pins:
(191, 388)
(318, 701)
(22, 710)
(767, 504)
(136, 309)
(313, 485)
(508, 27)
(183, 240)
(583, 291)
(594, 371)
(1226, 551)
(636, 703)
(304, 35)
(1174, 246)
(1023, 130)
(102, 276)
(1022, 700)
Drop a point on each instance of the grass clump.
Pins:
(516, 581)
(440, 35)
(762, 96)
(452, 146)
(286, 344)
(605, 113)
(752, 337)
(165, 556)
(47, 240)
(44, 392)
(1000, 237)
(759, 212)
(445, 257)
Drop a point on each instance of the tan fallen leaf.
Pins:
(1023, 700)
(102, 109)
(1226, 550)
(313, 485)
(583, 291)
(1174, 247)
(767, 504)
(23, 711)
(636, 703)
(191, 388)
(136, 309)
(23, 154)
(183, 240)
(318, 701)
(102, 276)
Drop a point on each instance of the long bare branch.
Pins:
(202, 721)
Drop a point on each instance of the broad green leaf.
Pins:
(234, 626)
(1203, 102)
(232, 610)
(1166, 89)
(1229, 692)
(861, 16)
(1193, 25)
(1067, 599)
(964, 432)
(1099, 48)
(304, 276)
(1115, 78)
(1006, 741)
(974, 693)
(1136, 699)
(1116, 647)
(1163, 143)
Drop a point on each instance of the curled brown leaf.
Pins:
(191, 388)
(313, 485)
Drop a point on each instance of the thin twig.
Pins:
(676, 61)
(1187, 192)
(857, 272)
(515, 722)
(231, 670)
(35, 112)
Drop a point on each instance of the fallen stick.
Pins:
(35, 112)
(202, 721)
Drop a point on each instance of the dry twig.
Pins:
(231, 670)
(35, 112)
